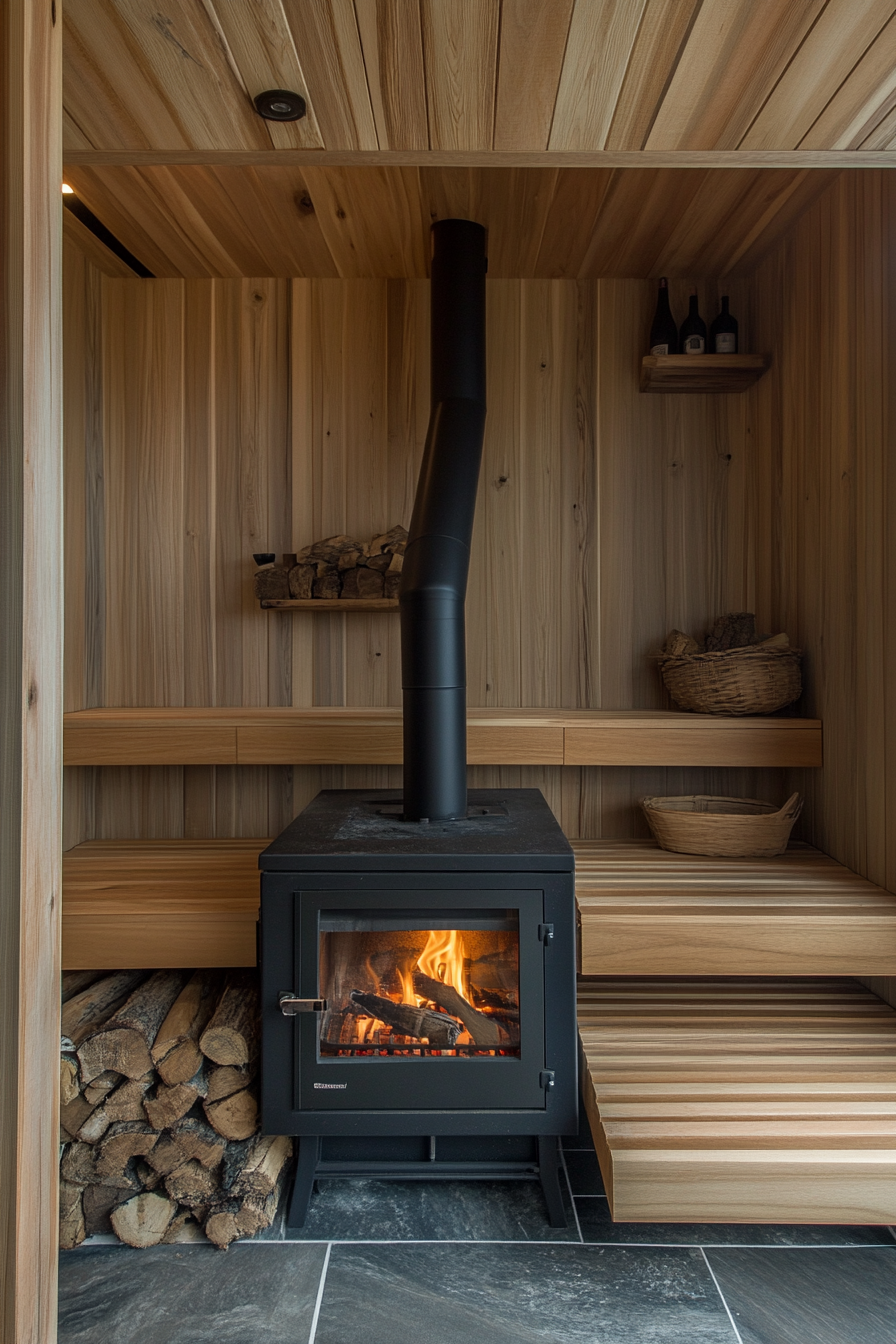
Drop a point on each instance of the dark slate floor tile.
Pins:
(188, 1294)
(584, 1173)
(520, 1295)
(360, 1210)
(811, 1296)
(598, 1226)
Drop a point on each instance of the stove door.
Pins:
(434, 999)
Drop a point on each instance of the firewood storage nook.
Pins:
(243, 344)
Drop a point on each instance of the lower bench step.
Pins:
(741, 1100)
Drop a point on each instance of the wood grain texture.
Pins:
(741, 1100)
(31, 665)
(289, 410)
(513, 74)
(701, 373)
(645, 911)
(365, 222)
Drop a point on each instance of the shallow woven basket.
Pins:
(737, 681)
(699, 823)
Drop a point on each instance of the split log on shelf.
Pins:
(125, 1103)
(271, 584)
(90, 1009)
(392, 584)
(73, 982)
(236, 1116)
(196, 1138)
(327, 584)
(378, 564)
(441, 1031)
(78, 1164)
(73, 1115)
(361, 583)
(193, 1185)
(301, 581)
(72, 1230)
(231, 1036)
(254, 1166)
(99, 1201)
(100, 1088)
(484, 1031)
(227, 1079)
(127, 1139)
(167, 1105)
(123, 1042)
(394, 540)
(732, 631)
(69, 1078)
(175, 1051)
(144, 1219)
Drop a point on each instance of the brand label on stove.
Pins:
(331, 1087)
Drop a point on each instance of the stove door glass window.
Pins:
(444, 984)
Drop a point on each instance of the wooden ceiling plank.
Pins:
(474, 158)
(374, 224)
(883, 135)
(734, 56)
(779, 214)
(530, 59)
(73, 138)
(96, 252)
(862, 101)
(641, 209)
(575, 208)
(392, 43)
(834, 46)
(157, 80)
(460, 52)
(260, 44)
(602, 35)
(127, 202)
(328, 44)
(664, 26)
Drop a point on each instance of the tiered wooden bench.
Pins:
(742, 1100)
(342, 736)
(645, 911)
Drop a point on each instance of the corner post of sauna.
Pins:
(30, 663)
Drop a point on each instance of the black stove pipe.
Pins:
(437, 559)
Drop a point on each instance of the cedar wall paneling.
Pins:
(823, 496)
(217, 418)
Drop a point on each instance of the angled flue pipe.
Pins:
(437, 560)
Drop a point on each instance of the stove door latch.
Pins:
(290, 1005)
(546, 934)
(546, 1079)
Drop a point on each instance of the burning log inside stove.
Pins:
(484, 1031)
(441, 1031)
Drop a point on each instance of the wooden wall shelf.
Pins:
(761, 1101)
(332, 604)
(339, 736)
(701, 373)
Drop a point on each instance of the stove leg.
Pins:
(306, 1166)
(549, 1171)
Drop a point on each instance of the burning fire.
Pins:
(443, 959)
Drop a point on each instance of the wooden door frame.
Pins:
(30, 663)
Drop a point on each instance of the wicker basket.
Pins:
(753, 680)
(699, 823)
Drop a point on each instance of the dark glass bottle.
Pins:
(692, 337)
(663, 331)
(723, 332)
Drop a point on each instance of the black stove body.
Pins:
(418, 990)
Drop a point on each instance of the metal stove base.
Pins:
(314, 1164)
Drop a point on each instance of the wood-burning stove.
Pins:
(418, 982)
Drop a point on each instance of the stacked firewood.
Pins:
(338, 566)
(736, 630)
(159, 1109)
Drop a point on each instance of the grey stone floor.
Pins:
(476, 1263)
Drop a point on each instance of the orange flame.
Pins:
(443, 958)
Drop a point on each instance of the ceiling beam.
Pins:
(338, 158)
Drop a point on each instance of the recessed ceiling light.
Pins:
(280, 105)
(67, 190)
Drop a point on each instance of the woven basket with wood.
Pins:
(754, 680)
(701, 823)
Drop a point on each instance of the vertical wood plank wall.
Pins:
(819, 431)
(207, 420)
